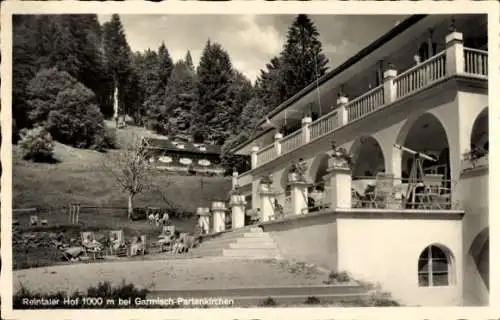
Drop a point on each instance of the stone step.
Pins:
(237, 240)
(255, 296)
(252, 245)
(243, 252)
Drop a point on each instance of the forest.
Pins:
(66, 69)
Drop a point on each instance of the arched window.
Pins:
(434, 267)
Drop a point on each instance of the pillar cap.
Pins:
(342, 100)
(454, 37)
(278, 136)
(390, 73)
(306, 120)
(255, 148)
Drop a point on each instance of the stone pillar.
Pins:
(338, 187)
(277, 143)
(219, 216)
(255, 149)
(306, 131)
(298, 191)
(204, 219)
(267, 198)
(237, 211)
(455, 61)
(235, 180)
(342, 101)
(390, 90)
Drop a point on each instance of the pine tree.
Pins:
(239, 94)
(118, 56)
(270, 86)
(214, 79)
(189, 60)
(164, 68)
(181, 98)
(302, 57)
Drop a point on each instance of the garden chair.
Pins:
(116, 240)
(433, 197)
(92, 247)
(138, 246)
(384, 191)
(34, 220)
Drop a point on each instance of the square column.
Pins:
(267, 199)
(298, 189)
(219, 216)
(306, 131)
(390, 90)
(255, 150)
(343, 117)
(338, 187)
(204, 219)
(455, 60)
(237, 204)
(277, 143)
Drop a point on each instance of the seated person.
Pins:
(115, 242)
(92, 243)
(136, 247)
(178, 246)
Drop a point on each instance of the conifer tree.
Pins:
(118, 56)
(215, 74)
(189, 60)
(302, 57)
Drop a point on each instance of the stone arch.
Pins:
(479, 137)
(479, 251)
(368, 157)
(436, 266)
(319, 168)
(425, 133)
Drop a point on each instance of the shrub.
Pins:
(338, 277)
(75, 119)
(37, 144)
(312, 300)
(105, 140)
(269, 302)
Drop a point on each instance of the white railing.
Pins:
(476, 61)
(292, 141)
(266, 154)
(421, 75)
(244, 179)
(365, 104)
(325, 124)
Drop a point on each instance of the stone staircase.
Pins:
(247, 243)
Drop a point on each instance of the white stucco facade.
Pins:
(438, 108)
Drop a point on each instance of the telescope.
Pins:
(415, 153)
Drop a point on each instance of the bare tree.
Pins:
(131, 170)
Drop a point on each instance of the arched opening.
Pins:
(316, 192)
(435, 267)
(479, 140)
(425, 163)
(480, 253)
(368, 158)
(427, 136)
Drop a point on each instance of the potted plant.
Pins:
(340, 158)
(297, 171)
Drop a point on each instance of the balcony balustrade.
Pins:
(454, 60)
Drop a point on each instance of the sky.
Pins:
(250, 40)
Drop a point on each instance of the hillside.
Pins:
(79, 177)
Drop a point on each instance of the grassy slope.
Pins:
(79, 177)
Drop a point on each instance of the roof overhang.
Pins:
(377, 50)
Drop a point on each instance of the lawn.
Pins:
(79, 176)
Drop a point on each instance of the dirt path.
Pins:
(166, 274)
